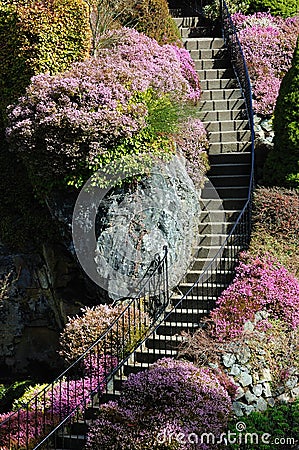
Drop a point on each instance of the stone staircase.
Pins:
(222, 109)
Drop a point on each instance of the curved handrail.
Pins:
(87, 376)
(71, 392)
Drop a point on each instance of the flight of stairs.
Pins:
(222, 109)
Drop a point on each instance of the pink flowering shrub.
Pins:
(261, 283)
(53, 403)
(192, 140)
(161, 407)
(71, 124)
(268, 44)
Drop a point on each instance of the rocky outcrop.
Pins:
(163, 210)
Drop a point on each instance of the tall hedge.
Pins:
(38, 36)
(282, 164)
(283, 8)
(152, 18)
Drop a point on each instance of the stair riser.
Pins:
(197, 303)
(214, 116)
(212, 74)
(210, 252)
(214, 228)
(228, 192)
(222, 105)
(199, 266)
(233, 181)
(205, 290)
(236, 125)
(230, 159)
(208, 64)
(163, 344)
(229, 147)
(235, 170)
(205, 43)
(219, 216)
(221, 94)
(213, 277)
(210, 54)
(229, 136)
(211, 84)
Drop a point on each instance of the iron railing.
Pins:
(43, 421)
(199, 300)
(48, 420)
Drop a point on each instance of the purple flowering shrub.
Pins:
(261, 283)
(42, 406)
(192, 140)
(268, 44)
(71, 124)
(82, 331)
(167, 406)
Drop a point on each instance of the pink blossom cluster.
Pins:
(173, 397)
(20, 429)
(261, 283)
(193, 141)
(268, 44)
(70, 119)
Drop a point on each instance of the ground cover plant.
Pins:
(268, 44)
(160, 407)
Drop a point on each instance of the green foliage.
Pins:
(38, 37)
(282, 165)
(8, 394)
(280, 422)
(28, 395)
(152, 18)
(23, 221)
(239, 6)
(283, 8)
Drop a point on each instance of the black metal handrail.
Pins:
(199, 300)
(38, 423)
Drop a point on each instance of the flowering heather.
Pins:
(171, 397)
(268, 44)
(192, 140)
(261, 283)
(68, 124)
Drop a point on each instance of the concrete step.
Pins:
(221, 94)
(223, 83)
(193, 302)
(193, 43)
(184, 22)
(219, 215)
(224, 115)
(164, 342)
(226, 147)
(222, 105)
(203, 263)
(222, 277)
(206, 290)
(175, 328)
(69, 441)
(207, 64)
(211, 74)
(229, 136)
(227, 181)
(226, 125)
(229, 192)
(229, 159)
(208, 54)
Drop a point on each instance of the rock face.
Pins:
(44, 288)
(163, 210)
(256, 389)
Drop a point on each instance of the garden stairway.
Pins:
(222, 109)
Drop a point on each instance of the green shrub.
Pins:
(152, 18)
(10, 393)
(283, 8)
(276, 225)
(38, 36)
(280, 422)
(282, 165)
